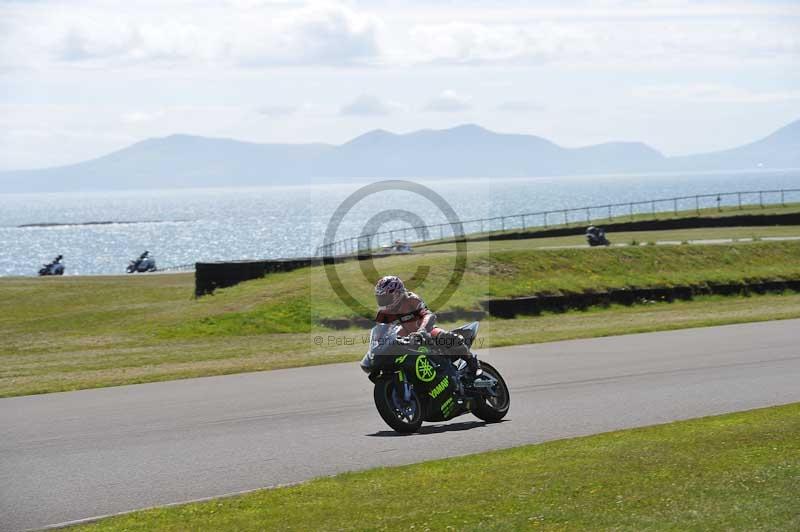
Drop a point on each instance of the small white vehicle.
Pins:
(398, 246)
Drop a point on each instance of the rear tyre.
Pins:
(493, 409)
(403, 416)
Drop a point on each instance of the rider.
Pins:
(407, 309)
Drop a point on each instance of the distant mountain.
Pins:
(177, 161)
(464, 151)
(778, 150)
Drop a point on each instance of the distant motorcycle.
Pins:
(415, 381)
(53, 268)
(397, 247)
(596, 236)
(145, 263)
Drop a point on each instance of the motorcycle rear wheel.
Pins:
(493, 409)
(404, 417)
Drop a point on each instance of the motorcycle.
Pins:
(145, 263)
(53, 268)
(415, 381)
(596, 236)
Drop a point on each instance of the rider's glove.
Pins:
(423, 336)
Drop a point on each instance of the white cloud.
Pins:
(100, 34)
(519, 106)
(139, 116)
(319, 34)
(448, 101)
(463, 42)
(712, 93)
(628, 42)
(277, 111)
(366, 105)
(325, 34)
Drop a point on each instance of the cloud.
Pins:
(317, 34)
(466, 42)
(139, 116)
(519, 106)
(258, 33)
(277, 111)
(645, 42)
(449, 102)
(366, 105)
(712, 93)
(97, 36)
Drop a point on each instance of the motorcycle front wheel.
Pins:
(493, 408)
(403, 416)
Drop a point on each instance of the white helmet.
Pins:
(389, 291)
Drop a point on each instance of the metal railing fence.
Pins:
(564, 217)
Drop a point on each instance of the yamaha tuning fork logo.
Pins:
(366, 243)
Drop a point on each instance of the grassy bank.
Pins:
(295, 301)
(82, 332)
(733, 472)
(74, 361)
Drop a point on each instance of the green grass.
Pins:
(732, 472)
(83, 332)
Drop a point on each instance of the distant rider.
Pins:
(405, 308)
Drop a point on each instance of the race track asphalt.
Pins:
(75, 455)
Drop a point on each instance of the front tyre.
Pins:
(403, 416)
(493, 408)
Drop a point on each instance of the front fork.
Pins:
(404, 385)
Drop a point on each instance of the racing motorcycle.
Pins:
(145, 263)
(596, 236)
(415, 381)
(53, 268)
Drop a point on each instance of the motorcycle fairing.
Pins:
(434, 377)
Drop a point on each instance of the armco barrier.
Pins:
(533, 305)
(208, 276)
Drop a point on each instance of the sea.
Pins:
(99, 232)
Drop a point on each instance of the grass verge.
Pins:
(732, 472)
(78, 362)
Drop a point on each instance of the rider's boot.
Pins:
(474, 365)
(459, 349)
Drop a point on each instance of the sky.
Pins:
(80, 79)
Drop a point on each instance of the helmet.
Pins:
(389, 291)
